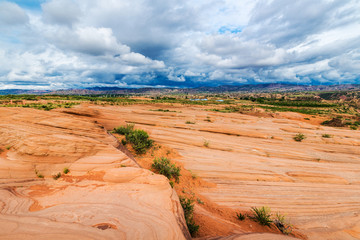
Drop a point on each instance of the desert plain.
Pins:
(235, 161)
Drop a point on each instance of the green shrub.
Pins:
(326, 135)
(262, 215)
(206, 143)
(353, 127)
(299, 137)
(189, 122)
(188, 207)
(123, 130)
(140, 140)
(66, 170)
(166, 168)
(240, 216)
(39, 175)
(57, 176)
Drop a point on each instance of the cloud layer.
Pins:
(58, 44)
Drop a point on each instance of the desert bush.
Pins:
(335, 122)
(206, 143)
(281, 224)
(66, 170)
(39, 175)
(123, 142)
(123, 130)
(352, 127)
(57, 176)
(262, 215)
(188, 207)
(140, 140)
(326, 135)
(240, 216)
(299, 137)
(189, 122)
(166, 168)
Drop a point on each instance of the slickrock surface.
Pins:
(99, 199)
(255, 162)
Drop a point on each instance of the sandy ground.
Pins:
(254, 161)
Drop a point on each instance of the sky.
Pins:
(62, 44)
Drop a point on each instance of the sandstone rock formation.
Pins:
(255, 162)
(105, 196)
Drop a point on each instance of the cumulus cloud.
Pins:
(12, 14)
(64, 12)
(85, 43)
(88, 40)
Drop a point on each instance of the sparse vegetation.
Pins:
(161, 110)
(188, 207)
(299, 137)
(56, 176)
(352, 127)
(199, 201)
(39, 175)
(66, 170)
(8, 147)
(262, 215)
(165, 167)
(189, 122)
(206, 143)
(280, 223)
(139, 139)
(123, 130)
(240, 216)
(326, 135)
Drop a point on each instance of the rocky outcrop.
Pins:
(255, 162)
(105, 196)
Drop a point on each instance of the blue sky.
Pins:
(57, 44)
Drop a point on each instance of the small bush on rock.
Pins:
(166, 168)
(188, 207)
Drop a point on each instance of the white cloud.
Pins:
(64, 12)
(12, 14)
(68, 43)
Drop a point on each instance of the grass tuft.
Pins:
(240, 216)
(262, 215)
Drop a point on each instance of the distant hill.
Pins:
(22, 91)
(249, 88)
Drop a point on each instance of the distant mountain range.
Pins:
(250, 88)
